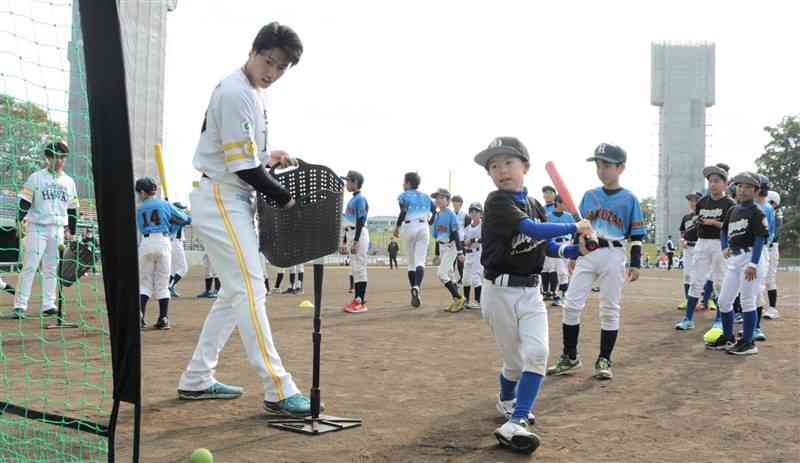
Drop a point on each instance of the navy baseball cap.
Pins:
(609, 153)
(441, 192)
(354, 176)
(502, 145)
(476, 207)
(548, 188)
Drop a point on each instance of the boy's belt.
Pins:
(604, 243)
(513, 281)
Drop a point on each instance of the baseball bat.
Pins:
(160, 165)
(566, 197)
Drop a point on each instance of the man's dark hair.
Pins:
(275, 35)
(412, 178)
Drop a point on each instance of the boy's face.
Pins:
(692, 205)
(745, 192)
(716, 185)
(608, 172)
(507, 172)
(475, 216)
(56, 163)
(442, 202)
(549, 196)
(351, 186)
(267, 66)
(457, 205)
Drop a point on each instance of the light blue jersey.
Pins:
(769, 213)
(445, 223)
(417, 205)
(357, 208)
(550, 208)
(562, 217)
(613, 216)
(154, 215)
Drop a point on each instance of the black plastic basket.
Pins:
(308, 230)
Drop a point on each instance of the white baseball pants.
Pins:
(473, 270)
(608, 266)
(155, 256)
(688, 264)
(223, 220)
(447, 256)
(416, 236)
(518, 320)
(40, 247)
(772, 271)
(735, 283)
(179, 264)
(358, 261)
(709, 264)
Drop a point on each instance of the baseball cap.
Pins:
(694, 196)
(548, 188)
(746, 178)
(723, 166)
(476, 207)
(58, 148)
(441, 192)
(354, 176)
(457, 198)
(609, 153)
(774, 197)
(502, 145)
(715, 170)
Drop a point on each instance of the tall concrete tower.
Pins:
(682, 83)
(144, 29)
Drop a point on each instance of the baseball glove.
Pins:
(77, 260)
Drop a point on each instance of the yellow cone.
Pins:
(305, 305)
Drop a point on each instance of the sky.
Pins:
(386, 88)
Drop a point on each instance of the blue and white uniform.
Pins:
(414, 227)
(179, 265)
(559, 264)
(769, 213)
(355, 229)
(615, 216)
(153, 219)
(445, 232)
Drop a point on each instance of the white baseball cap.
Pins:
(774, 197)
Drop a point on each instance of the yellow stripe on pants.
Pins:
(250, 294)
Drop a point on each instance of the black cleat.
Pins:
(163, 323)
(415, 301)
(743, 348)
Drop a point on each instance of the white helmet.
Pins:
(774, 197)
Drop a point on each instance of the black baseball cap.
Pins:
(746, 178)
(609, 153)
(179, 205)
(354, 176)
(715, 170)
(502, 145)
(548, 188)
(56, 149)
(440, 192)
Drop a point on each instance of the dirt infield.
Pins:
(424, 382)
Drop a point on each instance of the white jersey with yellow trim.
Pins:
(50, 195)
(234, 132)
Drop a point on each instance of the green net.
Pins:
(55, 381)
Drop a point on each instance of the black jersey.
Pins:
(689, 227)
(709, 208)
(744, 222)
(505, 249)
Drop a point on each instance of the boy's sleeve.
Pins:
(237, 130)
(636, 226)
(28, 189)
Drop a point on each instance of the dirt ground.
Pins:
(424, 382)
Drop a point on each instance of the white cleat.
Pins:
(517, 437)
(771, 313)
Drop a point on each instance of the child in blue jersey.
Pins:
(153, 219)
(515, 242)
(615, 215)
(412, 225)
(446, 233)
(559, 277)
(356, 240)
(769, 213)
(179, 265)
(549, 272)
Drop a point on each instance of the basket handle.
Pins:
(300, 164)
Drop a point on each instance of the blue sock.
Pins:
(529, 385)
(727, 323)
(749, 324)
(691, 302)
(707, 290)
(508, 388)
